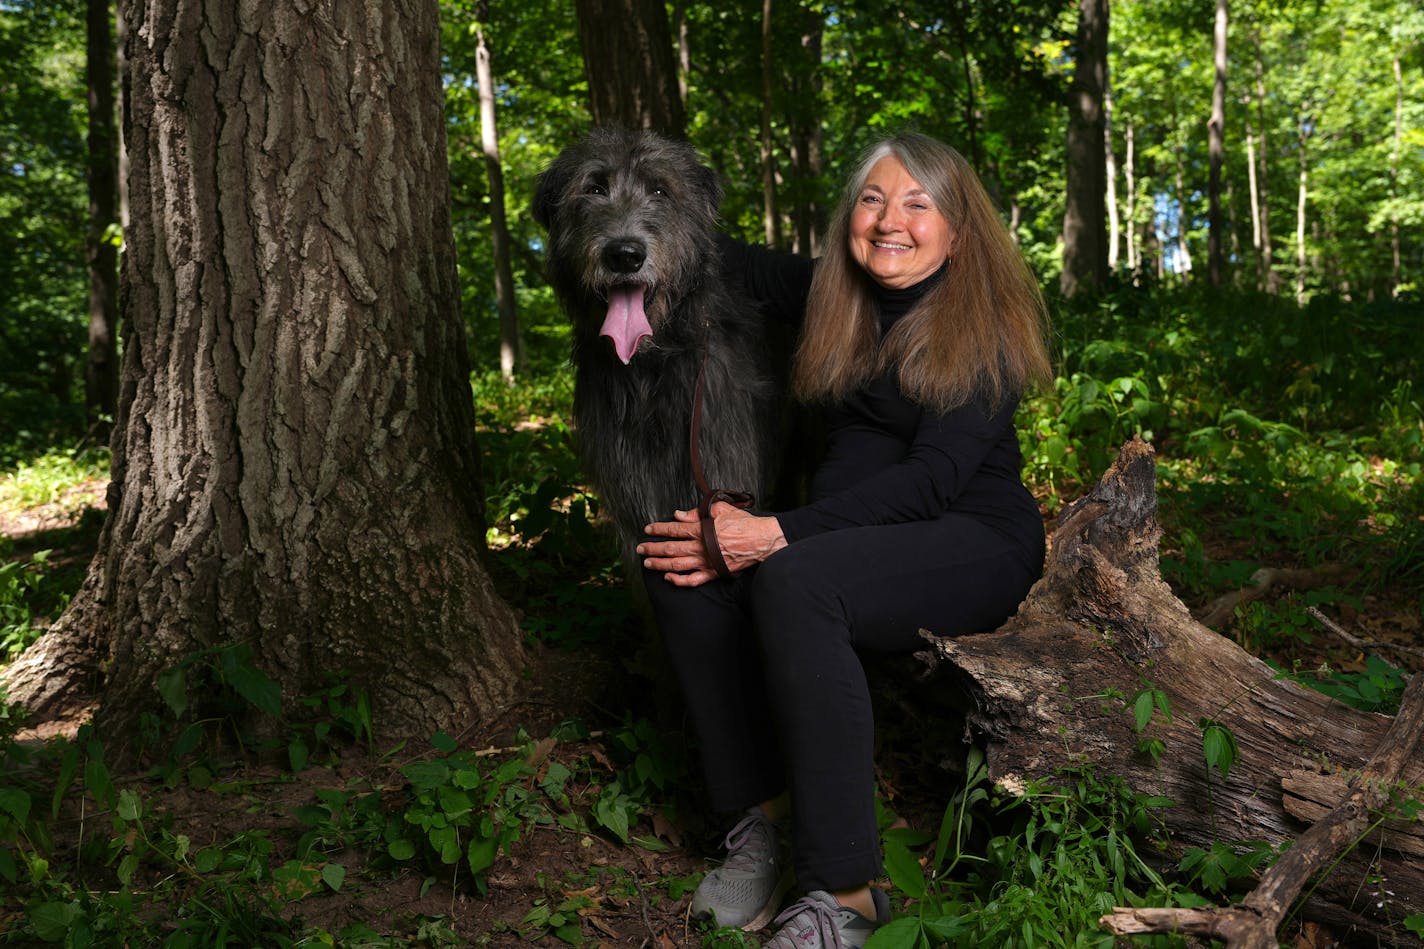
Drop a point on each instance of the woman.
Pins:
(923, 327)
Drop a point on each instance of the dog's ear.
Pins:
(549, 189)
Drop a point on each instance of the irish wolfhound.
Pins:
(631, 254)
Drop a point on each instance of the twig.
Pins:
(1357, 642)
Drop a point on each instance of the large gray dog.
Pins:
(631, 218)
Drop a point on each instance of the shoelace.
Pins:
(823, 917)
(739, 855)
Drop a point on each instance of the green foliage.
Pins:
(1035, 871)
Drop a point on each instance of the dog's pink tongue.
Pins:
(626, 323)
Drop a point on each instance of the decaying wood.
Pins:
(1253, 923)
(1264, 581)
(1053, 688)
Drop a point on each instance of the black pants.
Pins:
(768, 664)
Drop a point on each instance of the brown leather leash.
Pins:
(707, 494)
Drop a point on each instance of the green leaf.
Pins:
(127, 866)
(425, 775)
(444, 743)
(1218, 746)
(250, 683)
(481, 854)
(52, 921)
(130, 806)
(207, 860)
(401, 849)
(173, 689)
(16, 803)
(1142, 710)
(904, 869)
(333, 875)
(902, 933)
(297, 754)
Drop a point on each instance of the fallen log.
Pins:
(1053, 688)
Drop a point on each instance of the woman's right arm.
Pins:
(776, 281)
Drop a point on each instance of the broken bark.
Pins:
(1053, 688)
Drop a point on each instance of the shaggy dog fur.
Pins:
(631, 219)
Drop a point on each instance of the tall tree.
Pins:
(1085, 260)
(101, 370)
(771, 229)
(511, 342)
(1216, 130)
(628, 60)
(294, 474)
(1270, 279)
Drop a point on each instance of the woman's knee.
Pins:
(796, 602)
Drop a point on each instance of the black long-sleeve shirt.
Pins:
(888, 459)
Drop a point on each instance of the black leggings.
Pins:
(769, 669)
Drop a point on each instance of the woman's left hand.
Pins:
(745, 539)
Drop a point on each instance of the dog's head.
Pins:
(631, 218)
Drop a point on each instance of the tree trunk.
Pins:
(1184, 253)
(1396, 273)
(628, 59)
(1302, 193)
(511, 342)
(1255, 199)
(101, 371)
(770, 230)
(1084, 218)
(294, 471)
(1114, 225)
(1057, 684)
(1269, 278)
(804, 125)
(1216, 127)
(1134, 256)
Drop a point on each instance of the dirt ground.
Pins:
(635, 897)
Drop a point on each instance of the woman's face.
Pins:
(896, 232)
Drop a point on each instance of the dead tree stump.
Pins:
(1053, 688)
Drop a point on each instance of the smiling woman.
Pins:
(917, 520)
(897, 235)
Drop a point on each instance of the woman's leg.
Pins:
(707, 632)
(820, 600)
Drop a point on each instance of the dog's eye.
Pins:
(660, 192)
(595, 188)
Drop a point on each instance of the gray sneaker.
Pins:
(817, 921)
(747, 888)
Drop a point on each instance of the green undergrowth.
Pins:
(1289, 442)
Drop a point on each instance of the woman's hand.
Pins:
(745, 539)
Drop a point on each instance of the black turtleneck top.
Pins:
(888, 459)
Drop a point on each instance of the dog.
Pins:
(631, 254)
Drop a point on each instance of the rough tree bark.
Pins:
(1085, 259)
(1053, 688)
(294, 468)
(628, 59)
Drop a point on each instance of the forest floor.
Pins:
(626, 895)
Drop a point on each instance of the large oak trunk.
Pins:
(1054, 687)
(294, 467)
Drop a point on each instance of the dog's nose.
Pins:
(625, 256)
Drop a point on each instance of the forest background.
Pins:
(1256, 316)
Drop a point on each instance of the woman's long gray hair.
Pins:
(978, 334)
